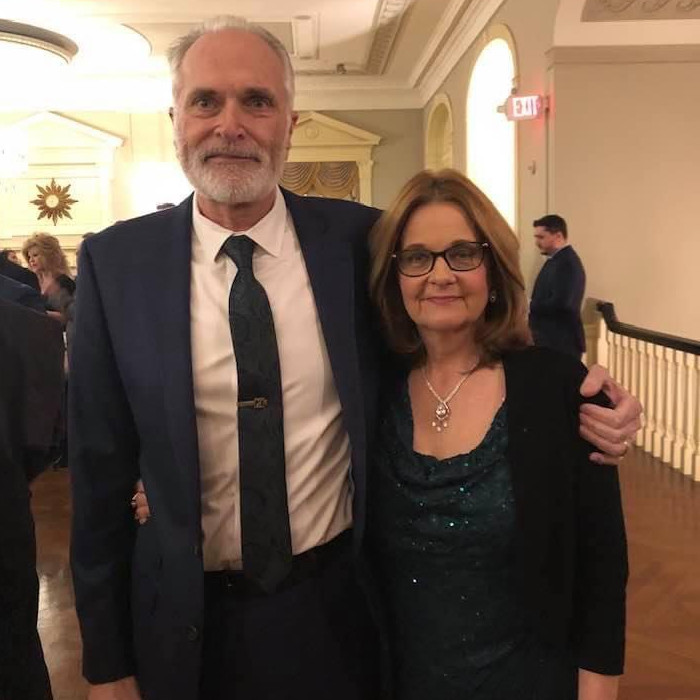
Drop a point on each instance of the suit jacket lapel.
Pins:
(174, 339)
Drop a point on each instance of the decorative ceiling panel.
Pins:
(617, 10)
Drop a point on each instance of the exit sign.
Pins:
(521, 107)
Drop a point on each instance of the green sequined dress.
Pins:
(441, 533)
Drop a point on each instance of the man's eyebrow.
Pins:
(197, 93)
(259, 91)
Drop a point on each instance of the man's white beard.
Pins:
(232, 182)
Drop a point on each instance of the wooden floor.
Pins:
(663, 523)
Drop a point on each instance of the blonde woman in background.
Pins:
(47, 260)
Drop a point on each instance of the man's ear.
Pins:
(292, 124)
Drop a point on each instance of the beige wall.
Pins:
(619, 159)
(626, 168)
(400, 153)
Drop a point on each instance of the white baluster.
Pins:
(619, 358)
(669, 408)
(659, 403)
(603, 341)
(626, 375)
(693, 402)
(612, 356)
(649, 403)
(680, 410)
(642, 367)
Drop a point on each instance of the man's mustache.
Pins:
(207, 153)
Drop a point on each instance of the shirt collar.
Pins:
(268, 233)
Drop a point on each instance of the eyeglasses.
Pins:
(461, 257)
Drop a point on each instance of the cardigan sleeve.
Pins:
(601, 568)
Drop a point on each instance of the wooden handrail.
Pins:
(607, 310)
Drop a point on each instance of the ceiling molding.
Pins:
(616, 10)
(590, 55)
(437, 39)
(470, 25)
(356, 98)
(390, 16)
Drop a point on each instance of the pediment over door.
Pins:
(46, 147)
(318, 138)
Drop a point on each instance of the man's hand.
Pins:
(123, 689)
(611, 430)
(139, 503)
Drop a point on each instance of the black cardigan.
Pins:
(570, 528)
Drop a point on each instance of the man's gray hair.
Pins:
(177, 50)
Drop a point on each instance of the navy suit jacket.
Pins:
(19, 293)
(139, 590)
(555, 308)
(31, 391)
(19, 273)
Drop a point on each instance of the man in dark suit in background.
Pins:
(178, 376)
(14, 291)
(11, 269)
(31, 390)
(555, 308)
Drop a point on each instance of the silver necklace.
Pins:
(442, 410)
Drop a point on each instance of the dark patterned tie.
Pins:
(266, 540)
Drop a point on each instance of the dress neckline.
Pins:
(498, 420)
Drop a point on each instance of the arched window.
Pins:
(490, 136)
(438, 145)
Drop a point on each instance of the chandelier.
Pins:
(26, 44)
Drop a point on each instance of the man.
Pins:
(9, 267)
(217, 596)
(31, 389)
(23, 294)
(555, 308)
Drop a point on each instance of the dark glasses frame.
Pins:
(442, 254)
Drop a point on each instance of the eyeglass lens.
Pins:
(460, 257)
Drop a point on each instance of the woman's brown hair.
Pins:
(50, 248)
(504, 325)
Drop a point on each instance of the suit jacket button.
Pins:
(197, 549)
(192, 633)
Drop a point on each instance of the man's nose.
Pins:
(230, 123)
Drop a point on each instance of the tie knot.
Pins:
(240, 250)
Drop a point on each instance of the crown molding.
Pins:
(438, 38)
(587, 55)
(465, 33)
(366, 98)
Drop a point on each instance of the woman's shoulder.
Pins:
(547, 364)
(66, 282)
(543, 376)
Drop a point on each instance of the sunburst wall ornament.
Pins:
(54, 202)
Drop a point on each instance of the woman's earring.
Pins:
(492, 297)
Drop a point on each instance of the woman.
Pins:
(47, 260)
(500, 552)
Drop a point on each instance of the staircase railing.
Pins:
(663, 371)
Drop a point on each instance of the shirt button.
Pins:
(192, 633)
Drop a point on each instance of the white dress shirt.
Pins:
(317, 448)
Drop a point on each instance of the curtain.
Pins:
(339, 180)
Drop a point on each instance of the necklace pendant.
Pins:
(442, 412)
